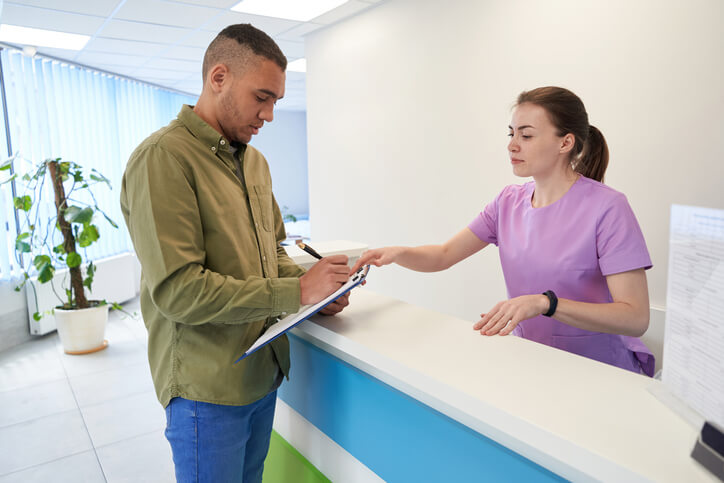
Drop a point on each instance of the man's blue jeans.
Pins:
(219, 444)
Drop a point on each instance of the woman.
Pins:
(572, 252)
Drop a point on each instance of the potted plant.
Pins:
(48, 242)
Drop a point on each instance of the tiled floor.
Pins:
(90, 418)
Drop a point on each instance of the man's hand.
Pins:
(326, 276)
(337, 305)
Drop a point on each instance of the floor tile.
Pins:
(35, 402)
(145, 458)
(117, 354)
(124, 418)
(81, 467)
(30, 364)
(98, 387)
(137, 328)
(42, 440)
(117, 331)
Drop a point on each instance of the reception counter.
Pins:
(391, 391)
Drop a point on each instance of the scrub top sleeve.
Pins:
(485, 225)
(619, 241)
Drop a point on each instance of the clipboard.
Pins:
(306, 311)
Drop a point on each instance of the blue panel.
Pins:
(394, 435)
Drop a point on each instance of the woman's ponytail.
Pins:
(593, 160)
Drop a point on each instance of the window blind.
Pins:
(56, 109)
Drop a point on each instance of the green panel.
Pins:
(284, 464)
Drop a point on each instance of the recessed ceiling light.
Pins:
(289, 9)
(42, 38)
(299, 65)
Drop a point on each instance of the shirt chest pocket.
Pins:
(262, 206)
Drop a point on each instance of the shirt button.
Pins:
(213, 148)
(222, 142)
(264, 258)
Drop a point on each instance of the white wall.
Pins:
(284, 144)
(409, 103)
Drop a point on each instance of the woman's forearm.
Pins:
(426, 258)
(612, 318)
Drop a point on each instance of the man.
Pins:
(199, 207)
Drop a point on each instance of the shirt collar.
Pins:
(202, 131)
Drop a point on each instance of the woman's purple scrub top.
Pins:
(569, 246)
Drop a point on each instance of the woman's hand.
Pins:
(506, 315)
(377, 257)
(426, 258)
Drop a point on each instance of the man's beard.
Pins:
(231, 118)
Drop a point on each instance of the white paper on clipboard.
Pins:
(304, 313)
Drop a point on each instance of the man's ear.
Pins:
(218, 76)
(567, 143)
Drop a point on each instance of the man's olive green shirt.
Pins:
(214, 275)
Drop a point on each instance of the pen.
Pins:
(310, 250)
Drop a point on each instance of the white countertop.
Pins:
(579, 418)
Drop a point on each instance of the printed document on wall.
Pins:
(694, 337)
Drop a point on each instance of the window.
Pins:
(55, 109)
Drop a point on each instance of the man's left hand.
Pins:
(336, 306)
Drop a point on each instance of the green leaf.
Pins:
(21, 246)
(96, 176)
(7, 164)
(71, 212)
(113, 223)
(41, 260)
(90, 272)
(74, 214)
(59, 249)
(74, 260)
(23, 236)
(9, 179)
(22, 203)
(88, 235)
(46, 274)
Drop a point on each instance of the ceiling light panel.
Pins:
(299, 65)
(42, 38)
(301, 11)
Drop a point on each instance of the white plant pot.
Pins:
(81, 331)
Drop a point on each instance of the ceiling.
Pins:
(163, 41)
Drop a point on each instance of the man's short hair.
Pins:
(236, 45)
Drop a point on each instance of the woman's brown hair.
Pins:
(568, 115)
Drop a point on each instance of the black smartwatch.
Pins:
(553, 301)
